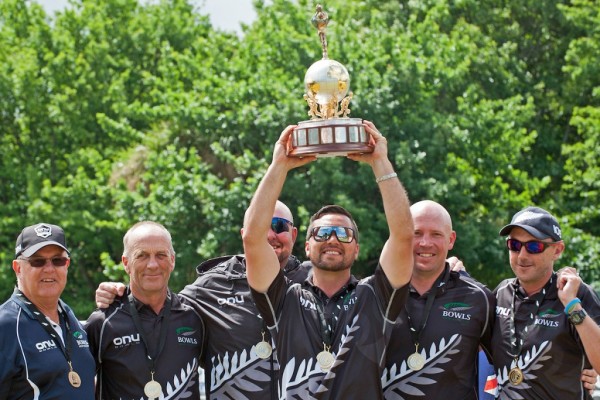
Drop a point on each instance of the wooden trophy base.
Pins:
(330, 138)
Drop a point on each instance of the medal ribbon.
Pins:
(166, 312)
(24, 302)
(516, 341)
(327, 329)
(414, 333)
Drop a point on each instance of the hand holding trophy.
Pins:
(329, 132)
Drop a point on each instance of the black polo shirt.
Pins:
(460, 320)
(121, 357)
(222, 296)
(361, 314)
(552, 356)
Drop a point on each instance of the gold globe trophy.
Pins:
(329, 132)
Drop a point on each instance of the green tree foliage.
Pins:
(580, 194)
(115, 111)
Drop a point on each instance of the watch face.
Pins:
(577, 317)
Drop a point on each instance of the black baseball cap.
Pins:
(35, 237)
(537, 222)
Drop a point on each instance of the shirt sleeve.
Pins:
(270, 304)
(391, 300)
(486, 335)
(92, 327)
(8, 368)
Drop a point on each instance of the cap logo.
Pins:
(43, 231)
(557, 231)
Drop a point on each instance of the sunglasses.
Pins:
(323, 233)
(280, 225)
(532, 247)
(38, 262)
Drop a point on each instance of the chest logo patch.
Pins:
(185, 335)
(459, 311)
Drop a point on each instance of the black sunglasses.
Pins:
(280, 225)
(38, 262)
(323, 233)
(532, 247)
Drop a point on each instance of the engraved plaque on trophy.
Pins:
(329, 132)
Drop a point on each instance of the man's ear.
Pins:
(452, 240)
(125, 262)
(16, 266)
(558, 250)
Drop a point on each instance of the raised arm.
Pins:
(396, 257)
(262, 265)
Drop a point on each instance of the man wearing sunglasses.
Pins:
(546, 329)
(332, 332)
(239, 361)
(434, 349)
(45, 350)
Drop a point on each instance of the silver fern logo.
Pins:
(400, 382)
(184, 384)
(240, 375)
(531, 364)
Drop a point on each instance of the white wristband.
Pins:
(386, 177)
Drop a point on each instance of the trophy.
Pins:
(329, 132)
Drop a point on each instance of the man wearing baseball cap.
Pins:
(44, 347)
(546, 328)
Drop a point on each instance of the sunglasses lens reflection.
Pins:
(40, 262)
(279, 225)
(532, 247)
(323, 233)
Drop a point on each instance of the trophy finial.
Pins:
(320, 21)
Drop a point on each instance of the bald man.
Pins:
(434, 348)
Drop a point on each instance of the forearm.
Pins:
(261, 261)
(396, 258)
(589, 333)
(258, 215)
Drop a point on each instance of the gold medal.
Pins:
(263, 350)
(515, 376)
(416, 361)
(152, 389)
(325, 360)
(74, 379)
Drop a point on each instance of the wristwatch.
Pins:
(577, 317)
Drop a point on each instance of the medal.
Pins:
(325, 359)
(74, 379)
(263, 350)
(416, 361)
(515, 376)
(24, 302)
(152, 389)
(516, 337)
